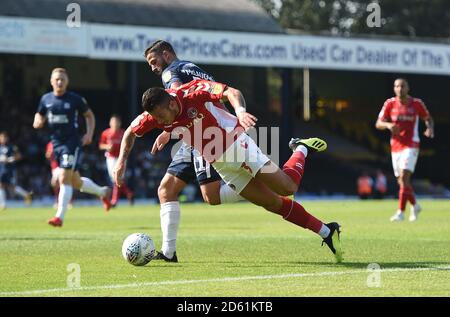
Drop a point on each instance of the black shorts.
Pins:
(68, 155)
(188, 166)
(7, 177)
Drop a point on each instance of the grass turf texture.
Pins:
(231, 250)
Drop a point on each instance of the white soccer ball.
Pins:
(138, 249)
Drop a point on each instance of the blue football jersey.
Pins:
(62, 114)
(184, 72)
(7, 153)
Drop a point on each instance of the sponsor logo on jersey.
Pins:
(216, 89)
(166, 76)
(197, 74)
(405, 118)
(192, 112)
(57, 118)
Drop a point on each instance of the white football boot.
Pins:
(398, 216)
(415, 210)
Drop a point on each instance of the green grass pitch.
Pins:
(230, 250)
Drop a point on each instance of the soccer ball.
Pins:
(138, 249)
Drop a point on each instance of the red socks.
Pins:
(117, 191)
(293, 212)
(405, 194)
(411, 196)
(294, 167)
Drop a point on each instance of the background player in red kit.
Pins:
(110, 140)
(220, 138)
(400, 115)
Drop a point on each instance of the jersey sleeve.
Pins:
(42, 109)
(83, 105)
(204, 91)
(103, 138)
(385, 113)
(143, 124)
(422, 109)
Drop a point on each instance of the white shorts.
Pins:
(240, 163)
(404, 160)
(110, 164)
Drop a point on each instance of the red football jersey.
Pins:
(114, 138)
(143, 124)
(203, 122)
(406, 116)
(49, 151)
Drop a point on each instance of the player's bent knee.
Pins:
(212, 200)
(211, 193)
(66, 177)
(77, 183)
(288, 190)
(168, 191)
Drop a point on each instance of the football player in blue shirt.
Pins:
(60, 109)
(9, 155)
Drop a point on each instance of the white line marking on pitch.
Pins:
(224, 279)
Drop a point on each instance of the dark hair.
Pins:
(4, 133)
(159, 47)
(402, 79)
(154, 97)
(115, 115)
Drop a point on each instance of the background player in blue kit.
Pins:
(61, 108)
(9, 155)
(187, 165)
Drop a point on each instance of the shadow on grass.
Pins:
(352, 265)
(383, 265)
(45, 239)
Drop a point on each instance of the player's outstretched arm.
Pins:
(237, 101)
(125, 149)
(39, 121)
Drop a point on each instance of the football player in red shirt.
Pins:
(110, 140)
(189, 111)
(400, 115)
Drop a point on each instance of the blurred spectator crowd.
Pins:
(144, 172)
